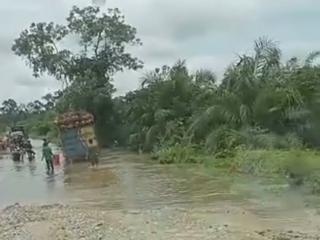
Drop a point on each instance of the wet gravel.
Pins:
(58, 222)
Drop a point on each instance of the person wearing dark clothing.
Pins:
(45, 141)
(48, 156)
(93, 156)
(29, 150)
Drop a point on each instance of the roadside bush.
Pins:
(178, 154)
(223, 140)
(259, 162)
(256, 138)
(314, 182)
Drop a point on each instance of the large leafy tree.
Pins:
(9, 106)
(11, 112)
(84, 53)
(100, 51)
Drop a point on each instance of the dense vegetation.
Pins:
(261, 103)
(37, 116)
(98, 51)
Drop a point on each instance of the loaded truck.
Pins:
(17, 138)
(77, 136)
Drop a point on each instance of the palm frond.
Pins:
(151, 137)
(311, 58)
(267, 57)
(161, 115)
(292, 64)
(206, 78)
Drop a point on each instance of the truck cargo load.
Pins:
(77, 134)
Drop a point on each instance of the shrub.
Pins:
(256, 138)
(298, 162)
(223, 139)
(178, 154)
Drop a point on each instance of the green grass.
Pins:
(260, 162)
(302, 164)
(178, 154)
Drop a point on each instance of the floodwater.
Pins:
(125, 181)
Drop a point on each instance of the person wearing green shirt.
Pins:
(48, 156)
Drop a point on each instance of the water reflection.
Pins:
(32, 168)
(50, 181)
(18, 166)
(126, 181)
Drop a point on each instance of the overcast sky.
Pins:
(207, 33)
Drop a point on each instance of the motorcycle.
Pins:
(30, 155)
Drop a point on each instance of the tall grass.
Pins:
(299, 166)
(178, 153)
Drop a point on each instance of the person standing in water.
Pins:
(29, 150)
(93, 155)
(48, 156)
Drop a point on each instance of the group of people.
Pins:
(21, 147)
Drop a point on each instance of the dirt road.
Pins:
(58, 222)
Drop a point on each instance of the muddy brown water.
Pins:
(126, 181)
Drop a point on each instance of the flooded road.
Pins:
(122, 180)
(27, 182)
(127, 182)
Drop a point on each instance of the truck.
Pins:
(17, 137)
(17, 134)
(77, 136)
(18, 130)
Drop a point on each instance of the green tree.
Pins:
(261, 102)
(9, 106)
(86, 69)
